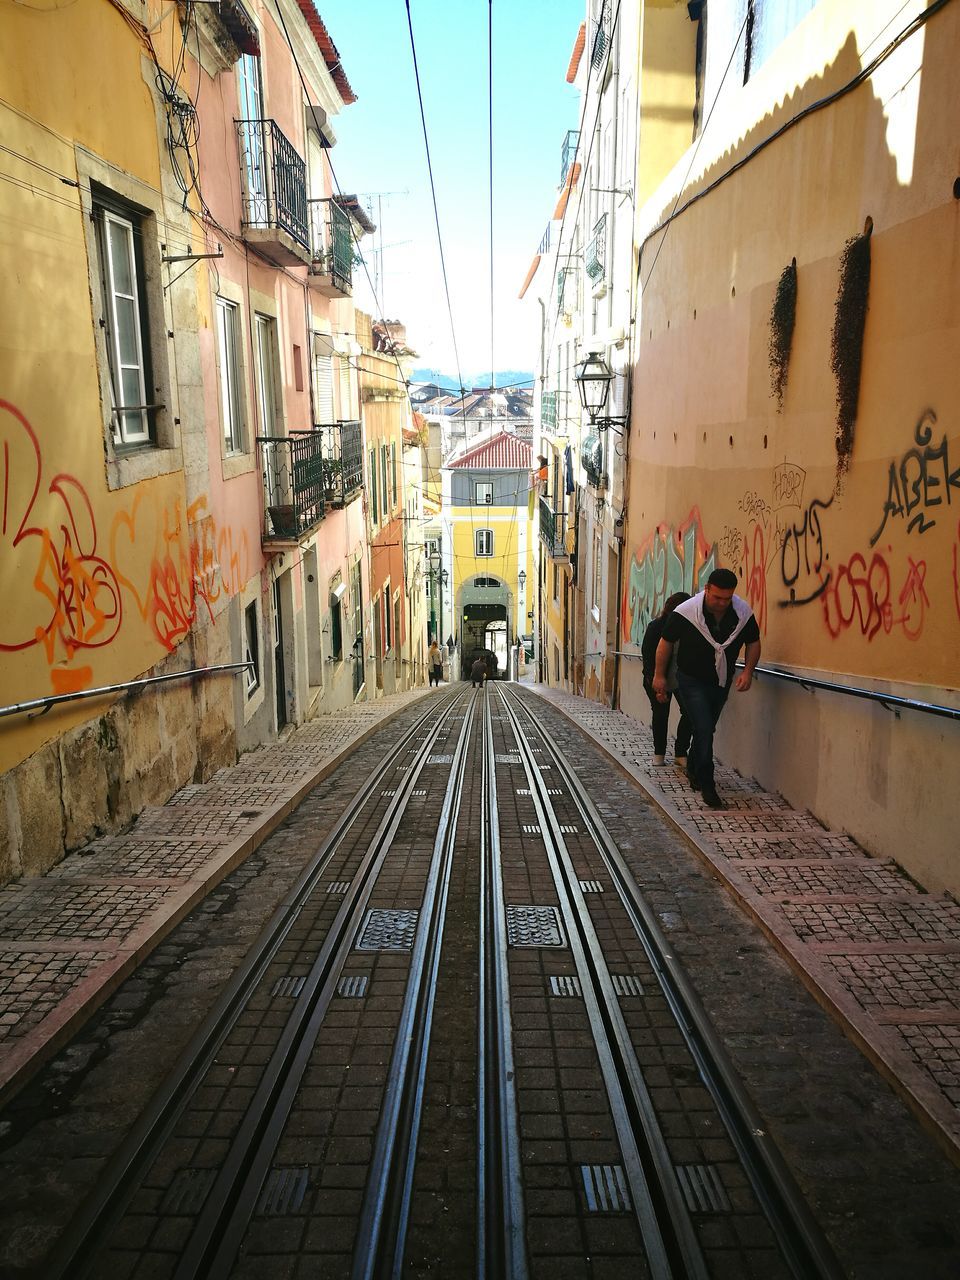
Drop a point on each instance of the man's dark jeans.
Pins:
(702, 704)
(661, 718)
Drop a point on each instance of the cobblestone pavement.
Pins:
(67, 939)
(886, 1195)
(878, 952)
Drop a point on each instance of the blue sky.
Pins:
(380, 149)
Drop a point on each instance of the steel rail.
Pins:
(501, 1252)
(805, 1247)
(669, 1238)
(56, 699)
(385, 1211)
(74, 1251)
(218, 1232)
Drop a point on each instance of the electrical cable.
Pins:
(862, 75)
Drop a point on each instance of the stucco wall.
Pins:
(850, 562)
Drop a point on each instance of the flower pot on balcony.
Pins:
(284, 521)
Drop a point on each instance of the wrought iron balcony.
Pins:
(274, 180)
(342, 446)
(294, 483)
(591, 455)
(553, 526)
(548, 410)
(567, 152)
(331, 248)
(595, 262)
(567, 291)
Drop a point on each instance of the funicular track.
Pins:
(274, 1038)
(667, 1193)
(217, 1208)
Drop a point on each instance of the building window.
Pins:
(228, 350)
(384, 481)
(251, 653)
(393, 473)
(483, 542)
(265, 328)
(597, 569)
(119, 240)
(396, 620)
(374, 513)
(483, 493)
(387, 619)
(486, 582)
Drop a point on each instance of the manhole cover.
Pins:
(388, 930)
(605, 1188)
(534, 927)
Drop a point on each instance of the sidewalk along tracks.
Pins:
(69, 938)
(878, 953)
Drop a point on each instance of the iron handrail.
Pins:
(55, 699)
(891, 701)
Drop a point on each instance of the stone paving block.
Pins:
(925, 920)
(54, 910)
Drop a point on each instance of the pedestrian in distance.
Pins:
(661, 707)
(478, 673)
(435, 663)
(708, 631)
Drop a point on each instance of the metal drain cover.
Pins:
(564, 986)
(439, 759)
(352, 986)
(502, 759)
(388, 930)
(534, 927)
(591, 886)
(626, 984)
(289, 986)
(283, 1191)
(702, 1188)
(605, 1188)
(188, 1190)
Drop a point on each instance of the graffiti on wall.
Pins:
(862, 597)
(670, 559)
(920, 481)
(163, 562)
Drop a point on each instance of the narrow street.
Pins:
(477, 1006)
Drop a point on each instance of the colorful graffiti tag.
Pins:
(669, 560)
(164, 562)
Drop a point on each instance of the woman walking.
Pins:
(661, 710)
(435, 662)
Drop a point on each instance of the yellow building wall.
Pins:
(100, 585)
(851, 567)
(506, 561)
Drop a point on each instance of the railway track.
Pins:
(299, 1124)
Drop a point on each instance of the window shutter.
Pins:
(323, 388)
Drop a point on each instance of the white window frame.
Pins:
(251, 646)
(483, 493)
(231, 385)
(113, 297)
(483, 542)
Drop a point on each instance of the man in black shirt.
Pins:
(710, 630)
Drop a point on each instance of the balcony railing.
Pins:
(553, 530)
(567, 152)
(331, 247)
(601, 36)
(567, 290)
(342, 449)
(591, 455)
(548, 410)
(294, 483)
(596, 257)
(274, 185)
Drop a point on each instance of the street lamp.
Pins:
(438, 579)
(593, 378)
(521, 579)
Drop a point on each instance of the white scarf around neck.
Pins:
(692, 610)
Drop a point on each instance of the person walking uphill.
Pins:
(478, 673)
(435, 662)
(709, 631)
(661, 708)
